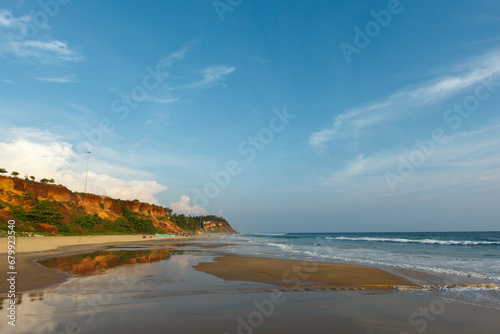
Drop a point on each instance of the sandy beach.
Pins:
(128, 284)
(38, 244)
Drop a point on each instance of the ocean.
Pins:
(458, 258)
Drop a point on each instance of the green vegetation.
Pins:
(45, 212)
(141, 225)
(195, 223)
(71, 218)
(87, 222)
(3, 171)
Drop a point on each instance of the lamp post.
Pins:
(86, 173)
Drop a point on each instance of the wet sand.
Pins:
(32, 276)
(300, 274)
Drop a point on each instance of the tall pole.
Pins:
(87, 173)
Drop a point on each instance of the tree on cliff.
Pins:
(32, 178)
(3, 170)
(44, 180)
(14, 173)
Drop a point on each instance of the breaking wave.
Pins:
(419, 241)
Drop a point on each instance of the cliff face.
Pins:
(217, 227)
(18, 192)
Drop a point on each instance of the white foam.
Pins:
(488, 269)
(420, 241)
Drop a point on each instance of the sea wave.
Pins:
(410, 266)
(460, 288)
(322, 253)
(419, 241)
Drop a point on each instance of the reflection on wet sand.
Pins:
(95, 262)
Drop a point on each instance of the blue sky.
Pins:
(281, 116)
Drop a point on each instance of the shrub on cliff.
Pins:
(88, 222)
(44, 212)
(121, 224)
(137, 224)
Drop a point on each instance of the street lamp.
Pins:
(86, 174)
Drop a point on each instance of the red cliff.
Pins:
(19, 192)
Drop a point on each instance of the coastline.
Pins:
(271, 271)
(199, 284)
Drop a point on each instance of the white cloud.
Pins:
(212, 75)
(163, 100)
(172, 58)
(182, 206)
(47, 52)
(58, 79)
(8, 20)
(409, 101)
(41, 154)
(467, 160)
(38, 48)
(56, 47)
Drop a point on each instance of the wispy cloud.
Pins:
(6, 81)
(8, 20)
(212, 75)
(41, 51)
(14, 41)
(59, 79)
(45, 52)
(466, 159)
(409, 101)
(159, 99)
(172, 58)
(179, 81)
